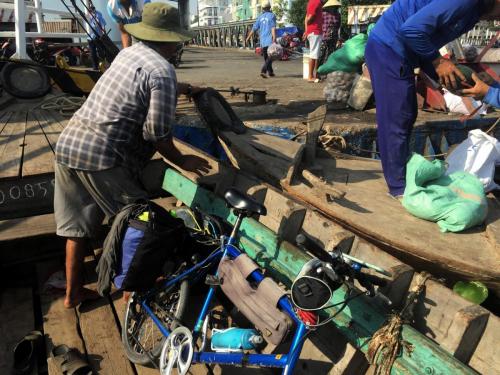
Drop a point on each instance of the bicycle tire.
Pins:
(133, 351)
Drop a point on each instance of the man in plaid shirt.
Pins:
(125, 120)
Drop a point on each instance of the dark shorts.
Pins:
(82, 199)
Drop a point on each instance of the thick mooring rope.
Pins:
(385, 344)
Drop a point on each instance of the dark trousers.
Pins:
(268, 62)
(327, 48)
(93, 54)
(394, 88)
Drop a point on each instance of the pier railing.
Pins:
(225, 35)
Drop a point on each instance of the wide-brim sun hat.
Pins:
(332, 3)
(160, 23)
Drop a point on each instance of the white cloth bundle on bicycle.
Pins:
(478, 155)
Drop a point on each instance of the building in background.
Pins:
(213, 12)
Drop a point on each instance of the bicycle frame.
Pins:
(285, 361)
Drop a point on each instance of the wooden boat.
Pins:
(441, 315)
(457, 331)
(367, 210)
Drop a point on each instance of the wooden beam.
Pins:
(16, 310)
(284, 261)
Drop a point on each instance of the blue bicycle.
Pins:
(154, 321)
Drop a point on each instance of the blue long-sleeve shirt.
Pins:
(417, 29)
(493, 95)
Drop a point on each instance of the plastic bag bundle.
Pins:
(338, 86)
(349, 58)
(275, 51)
(478, 155)
(456, 201)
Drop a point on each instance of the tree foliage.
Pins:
(279, 9)
(297, 13)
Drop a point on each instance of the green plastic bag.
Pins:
(456, 202)
(349, 58)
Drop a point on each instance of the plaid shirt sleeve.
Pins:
(161, 112)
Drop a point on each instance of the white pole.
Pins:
(20, 17)
(38, 16)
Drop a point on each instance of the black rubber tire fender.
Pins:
(210, 103)
(8, 76)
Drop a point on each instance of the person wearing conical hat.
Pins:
(331, 29)
(126, 119)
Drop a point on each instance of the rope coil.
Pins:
(65, 105)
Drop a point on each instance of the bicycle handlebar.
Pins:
(337, 267)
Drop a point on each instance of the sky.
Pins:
(101, 6)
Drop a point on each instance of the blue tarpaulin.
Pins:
(289, 30)
(201, 138)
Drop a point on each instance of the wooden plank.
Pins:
(119, 305)
(315, 121)
(11, 146)
(319, 356)
(27, 227)
(284, 261)
(32, 195)
(51, 128)
(367, 211)
(284, 216)
(268, 157)
(452, 321)
(40, 225)
(60, 325)
(16, 310)
(100, 332)
(485, 359)
(57, 117)
(38, 157)
(4, 119)
(326, 233)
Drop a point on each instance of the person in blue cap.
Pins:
(409, 35)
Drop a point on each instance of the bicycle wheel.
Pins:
(141, 337)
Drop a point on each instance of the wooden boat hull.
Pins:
(268, 246)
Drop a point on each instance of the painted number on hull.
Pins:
(22, 191)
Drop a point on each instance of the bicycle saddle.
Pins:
(243, 202)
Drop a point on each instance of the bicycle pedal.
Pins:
(213, 280)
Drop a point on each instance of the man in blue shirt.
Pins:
(488, 94)
(409, 35)
(266, 25)
(97, 28)
(125, 12)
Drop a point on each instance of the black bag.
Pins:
(151, 239)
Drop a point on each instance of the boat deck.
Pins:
(369, 211)
(27, 144)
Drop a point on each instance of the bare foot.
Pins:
(84, 294)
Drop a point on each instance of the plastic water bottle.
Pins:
(236, 339)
